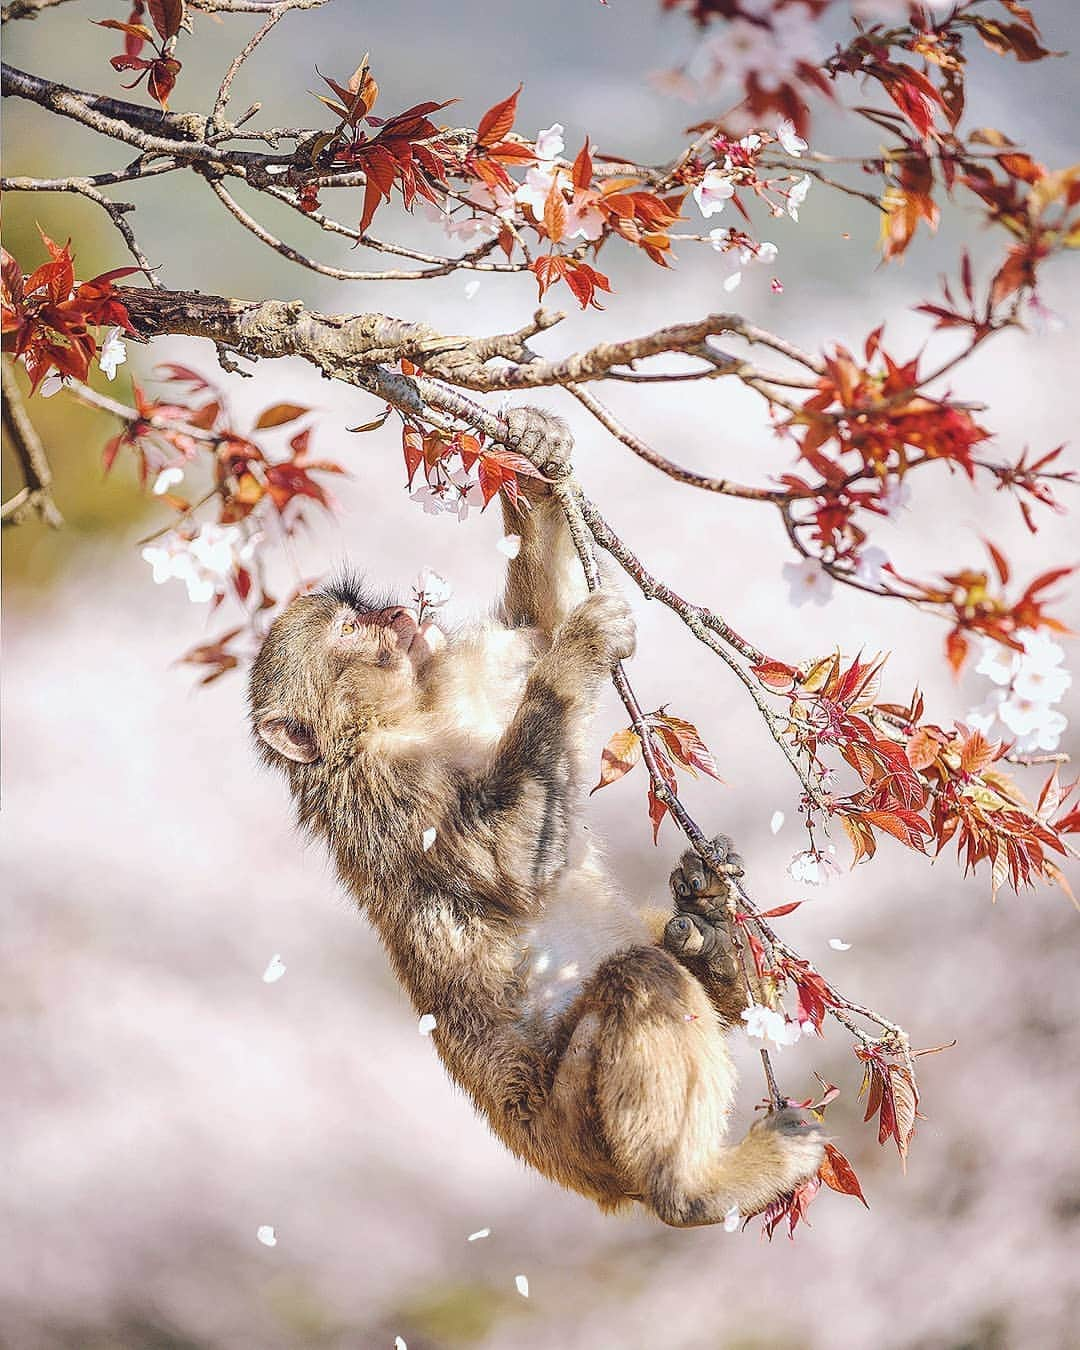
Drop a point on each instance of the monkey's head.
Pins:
(334, 662)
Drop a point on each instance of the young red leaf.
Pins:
(619, 756)
(555, 213)
(838, 1173)
(279, 414)
(498, 120)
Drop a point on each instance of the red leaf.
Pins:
(583, 167)
(498, 120)
(279, 414)
(555, 212)
(167, 15)
(838, 1173)
(619, 756)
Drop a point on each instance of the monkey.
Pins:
(446, 773)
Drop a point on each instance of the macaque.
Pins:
(592, 1037)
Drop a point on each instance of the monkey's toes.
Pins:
(694, 882)
(691, 935)
(542, 438)
(791, 1123)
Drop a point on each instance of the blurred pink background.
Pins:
(163, 1102)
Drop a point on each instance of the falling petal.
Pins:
(510, 544)
(274, 970)
(777, 822)
(399, 1343)
(839, 946)
(521, 1284)
(266, 1235)
(480, 1233)
(428, 837)
(471, 288)
(427, 1024)
(731, 1219)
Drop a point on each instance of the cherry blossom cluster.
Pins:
(1027, 685)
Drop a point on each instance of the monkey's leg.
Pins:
(664, 1085)
(545, 580)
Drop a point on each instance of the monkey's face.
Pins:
(333, 662)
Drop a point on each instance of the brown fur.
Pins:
(594, 1053)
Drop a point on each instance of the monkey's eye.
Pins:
(349, 627)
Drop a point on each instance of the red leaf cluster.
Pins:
(46, 318)
(161, 69)
(497, 469)
(672, 741)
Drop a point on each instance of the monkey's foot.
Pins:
(697, 889)
(543, 439)
(700, 934)
(798, 1141)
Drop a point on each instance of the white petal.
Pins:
(777, 822)
(266, 1235)
(428, 837)
(274, 970)
(427, 1024)
(471, 288)
(399, 1343)
(521, 1284)
(732, 1219)
(839, 946)
(510, 545)
(480, 1233)
(166, 479)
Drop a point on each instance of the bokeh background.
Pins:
(161, 1102)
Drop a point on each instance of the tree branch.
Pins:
(36, 497)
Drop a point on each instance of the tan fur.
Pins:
(595, 1054)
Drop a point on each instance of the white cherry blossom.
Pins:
(203, 563)
(431, 589)
(808, 581)
(583, 219)
(868, 568)
(549, 142)
(796, 195)
(790, 141)
(112, 353)
(167, 478)
(51, 384)
(984, 716)
(997, 663)
(713, 191)
(768, 1024)
(814, 870)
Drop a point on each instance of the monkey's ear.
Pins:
(289, 738)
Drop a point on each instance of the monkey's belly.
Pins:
(582, 924)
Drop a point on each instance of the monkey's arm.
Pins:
(545, 580)
(530, 788)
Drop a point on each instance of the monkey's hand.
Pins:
(543, 439)
(598, 632)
